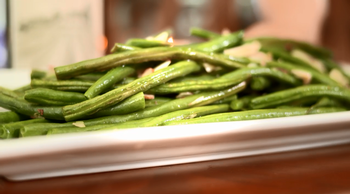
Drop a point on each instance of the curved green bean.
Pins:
(199, 32)
(26, 108)
(143, 43)
(118, 47)
(49, 97)
(150, 54)
(255, 114)
(91, 106)
(148, 122)
(64, 85)
(10, 116)
(12, 130)
(108, 80)
(301, 92)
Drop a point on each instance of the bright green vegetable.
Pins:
(11, 130)
(10, 116)
(28, 109)
(108, 80)
(148, 122)
(143, 43)
(144, 55)
(224, 81)
(63, 85)
(89, 107)
(199, 32)
(118, 47)
(301, 92)
(255, 114)
(49, 97)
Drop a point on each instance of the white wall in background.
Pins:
(49, 33)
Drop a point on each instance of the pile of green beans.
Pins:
(151, 82)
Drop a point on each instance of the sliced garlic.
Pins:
(147, 72)
(225, 32)
(315, 63)
(303, 75)
(79, 124)
(184, 94)
(261, 57)
(337, 76)
(162, 65)
(245, 50)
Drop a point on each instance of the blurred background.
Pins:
(43, 34)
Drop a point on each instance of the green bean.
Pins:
(255, 114)
(131, 104)
(148, 122)
(259, 83)
(219, 44)
(22, 89)
(319, 77)
(26, 108)
(118, 47)
(327, 102)
(11, 130)
(143, 43)
(49, 97)
(10, 93)
(226, 100)
(157, 101)
(217, 84)
(91, 106)
(138, 56)
(200, 99)
(286, 44)
(199, 32)
(224, 81)
(287, 57)
(37, 74)
(64, 85)
(10, 116)
(90, 76)
(108, 80)
(241, 103)
(301, 92)
(193, 78)
(332, 65)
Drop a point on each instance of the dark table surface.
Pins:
(324, 170)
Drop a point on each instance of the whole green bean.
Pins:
(138, 56)
(91, 106)
(301, 92)
(199, 32)
(259, 83)
(224, 81)
(319, 77)
(286, 44)
(64, 85)
(37, 74)
(12, 130)
(10, 116)
(219, 44)
(226, 100)
(90, 76)
(287, 57)
(49, 97)
(200, 99)
(241, 103)
(118, 47)
(108, 80)
(255, 114)
(131, 104)
(143, 43)
(157, 101)
(10, 93)
(148, 122)
(26, 108)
